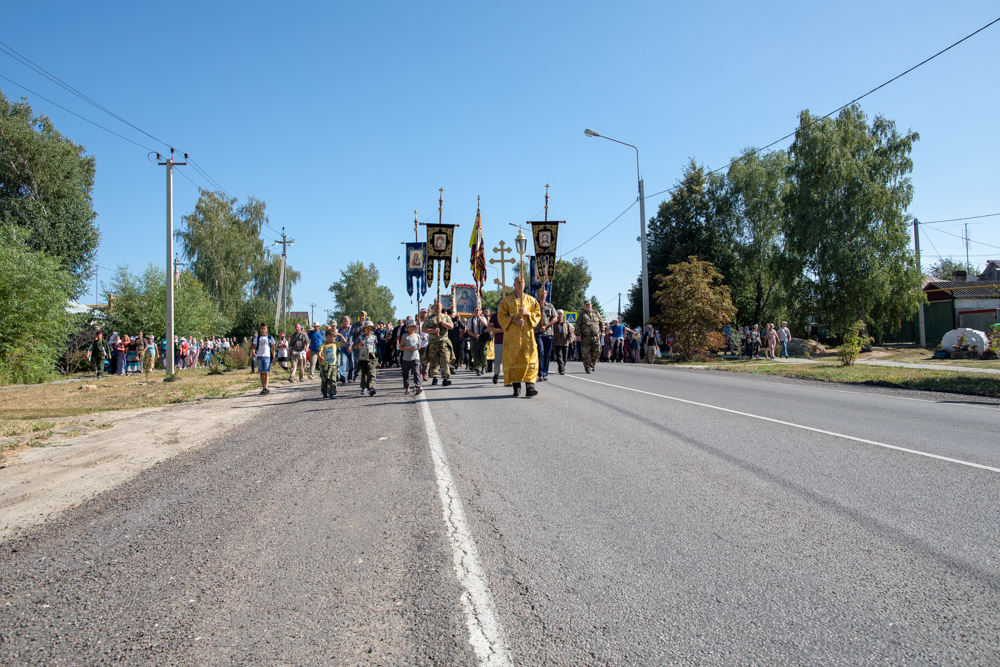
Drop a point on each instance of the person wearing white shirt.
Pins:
(784, 335)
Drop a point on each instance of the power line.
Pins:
(27, 62)
(210, 179)
(971, 217)
(563, 254)
(841, 108)
(964, 239)
(76, 114)
(24, 60)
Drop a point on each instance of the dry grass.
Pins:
(49, 401)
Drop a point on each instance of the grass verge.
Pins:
(26, 413)
(49, 401)
(880, 376)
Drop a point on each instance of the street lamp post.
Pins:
(642, 225)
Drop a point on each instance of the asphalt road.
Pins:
(635, 516)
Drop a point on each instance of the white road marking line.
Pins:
(801, 426)
(975, 406)
(485, 633)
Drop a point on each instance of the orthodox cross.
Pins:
(502, 282)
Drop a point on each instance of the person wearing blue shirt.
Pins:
(315, 341)
(618, 340)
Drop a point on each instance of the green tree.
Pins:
(694, 306)
(944, 267)
(358, 289)
(750, 210)
(46, 190)
(249, 316)
(221, 241)
(848, 194)
(572, 279)
(34, 291)
(490, 299)
(267, 280)
(684, 225)
(138, 303)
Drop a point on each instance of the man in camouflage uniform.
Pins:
(589, 327)
(439, 350)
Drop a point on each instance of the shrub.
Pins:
(993, 336)
(233, 358)
(34, 292)
(853, 342)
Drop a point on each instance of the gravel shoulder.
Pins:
(39, 482)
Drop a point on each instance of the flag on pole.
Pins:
(477, 257)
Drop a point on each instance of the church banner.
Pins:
(439, 247)
(415, 273)
(545, 234)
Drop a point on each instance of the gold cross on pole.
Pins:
(502, 282)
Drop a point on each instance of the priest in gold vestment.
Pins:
(519, 314)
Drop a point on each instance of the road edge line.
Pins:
(801, 426)
(485, 633)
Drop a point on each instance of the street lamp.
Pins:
(642, 224)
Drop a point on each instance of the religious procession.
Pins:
(515, 344)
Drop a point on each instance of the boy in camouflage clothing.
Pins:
(367, 347)
(328, 364)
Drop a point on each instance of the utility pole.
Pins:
(168, 361)
(312, 311)
(280, 306)
(177, 263)
(920, 313)
(966, 250)
(619, 307)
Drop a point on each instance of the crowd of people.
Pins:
(750, 341)
(519, 342)
(429, 346)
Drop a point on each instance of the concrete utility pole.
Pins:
(920, 313)
(312, 311)
(168, 360)
(280, 307)
(642, 226)
(177, 264)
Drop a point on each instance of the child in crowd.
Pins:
(409, 345)
(328, 364)
(367, 347)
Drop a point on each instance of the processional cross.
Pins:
(502, 281)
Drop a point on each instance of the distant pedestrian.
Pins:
(282, 352)
(315, 342)
(328, 357)
(264, 352)
(297, 353)
(99, 351)
(562, 338)
(494, 328)
(346, 354)
(784, 336)
(543, 335)
(366, 348)
(770, 340)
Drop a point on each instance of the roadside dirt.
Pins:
(68, 468)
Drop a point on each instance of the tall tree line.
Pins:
(817, 233)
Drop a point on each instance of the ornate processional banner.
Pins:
(415, 268)
(439, 247)
(545, 234)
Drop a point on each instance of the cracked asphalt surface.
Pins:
(613, 528)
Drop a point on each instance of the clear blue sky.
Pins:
(345, 117)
